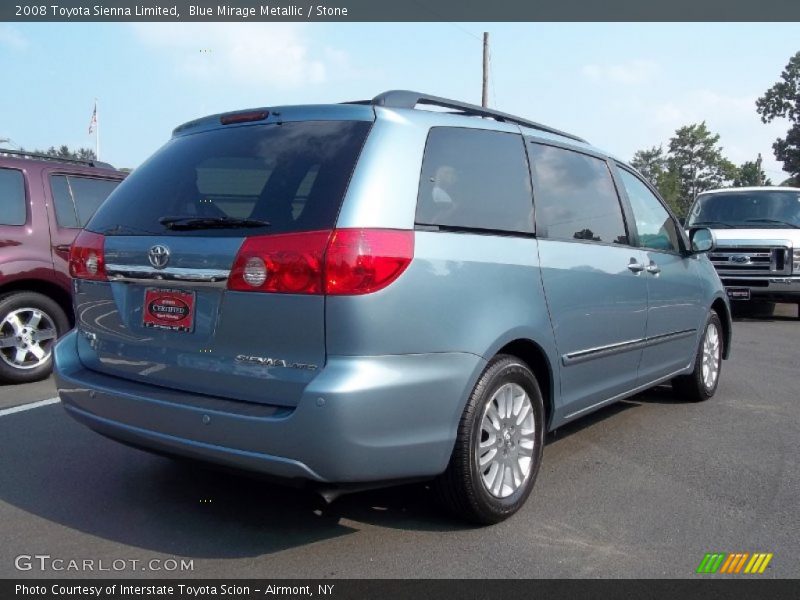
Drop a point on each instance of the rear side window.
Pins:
(475, 179)
(77, 198)
(292, 175)
(12, 197)
(575, 197)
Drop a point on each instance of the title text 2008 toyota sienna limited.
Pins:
(371, 292)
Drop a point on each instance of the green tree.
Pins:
(651, 163)
(783, 100)
(750, 173)
(697, 159)
(64, 151)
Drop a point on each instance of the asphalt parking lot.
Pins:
(641, 489)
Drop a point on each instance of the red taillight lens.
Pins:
(290, 263)
(86, 257)
(361, 261)
(342, 262)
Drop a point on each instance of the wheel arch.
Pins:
(723, 310)
(534, 356)
(53, 291)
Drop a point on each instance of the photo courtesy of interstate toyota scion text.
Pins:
(382, 291)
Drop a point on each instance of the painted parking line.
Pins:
(23, 407)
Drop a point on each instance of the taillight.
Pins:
(361, 261)
(289, 263)
(342, 262)
(86, 258)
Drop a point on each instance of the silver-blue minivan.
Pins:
(382, 291)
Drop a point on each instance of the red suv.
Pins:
(44, 202)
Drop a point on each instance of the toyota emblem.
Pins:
(159, 256)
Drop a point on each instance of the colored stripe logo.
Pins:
(734, 562)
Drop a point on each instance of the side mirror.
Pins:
(702, 240)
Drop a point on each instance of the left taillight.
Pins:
(86, 257)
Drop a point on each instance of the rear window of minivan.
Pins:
(292, 176)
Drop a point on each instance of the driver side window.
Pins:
(656, 227)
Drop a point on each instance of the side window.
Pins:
(477, 179)
(77, 198)
(62, 202)
(13, 210)
(575, 197)
(89, 194)
(655, 226)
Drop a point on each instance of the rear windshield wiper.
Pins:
(776, 221)
(728, 225)
(189, 223)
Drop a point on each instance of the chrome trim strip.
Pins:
(143, 274)
(600, 351)
(591, 353)
(668, 337)
(633, 392)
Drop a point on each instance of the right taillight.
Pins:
(86, 257)
(339, 262)
(362, 261)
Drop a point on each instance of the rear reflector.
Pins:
(341, 262)
(244, 117)
(86, 257)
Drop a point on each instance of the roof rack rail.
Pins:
(39, 155)
(409, 99)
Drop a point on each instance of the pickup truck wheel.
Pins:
(498, 446)
(701, 383)
(30, 323)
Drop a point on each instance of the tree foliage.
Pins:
(782, 100)
(750, 174)
(695, 155)
(650, 162)
(64, 151)
(692, 163)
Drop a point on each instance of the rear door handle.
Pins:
(653, 268)
(636, 267)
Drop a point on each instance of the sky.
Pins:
(623, 87)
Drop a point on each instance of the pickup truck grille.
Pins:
(752, 260)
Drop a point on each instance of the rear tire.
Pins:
(498, 446)
(30, 324)
(702, 382)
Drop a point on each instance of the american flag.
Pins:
(93, 122)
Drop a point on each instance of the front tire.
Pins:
(702, 382)
(30, 323)
(498, 447)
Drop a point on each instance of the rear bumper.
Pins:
(780, 289)
(362, 419)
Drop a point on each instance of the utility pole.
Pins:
(759, 179)
(485, 90)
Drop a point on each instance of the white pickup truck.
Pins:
(757, 229)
